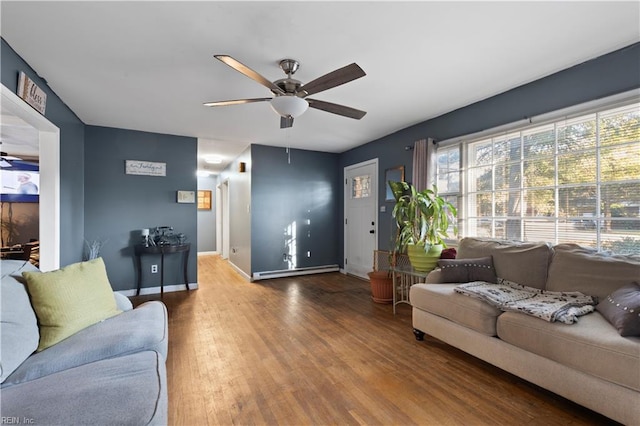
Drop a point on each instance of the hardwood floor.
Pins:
(316, 350)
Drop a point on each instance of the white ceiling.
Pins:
(18, 138)
(149, 65)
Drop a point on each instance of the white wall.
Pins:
(207, 218)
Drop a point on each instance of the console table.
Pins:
(404, 276)
(141, 250)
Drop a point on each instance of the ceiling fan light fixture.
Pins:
(289, 105)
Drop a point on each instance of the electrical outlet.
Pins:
(154, 269)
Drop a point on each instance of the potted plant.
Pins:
(380, 278)
(422, 219)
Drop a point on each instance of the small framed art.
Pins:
(204, 200)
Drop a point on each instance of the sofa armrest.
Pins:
(434, 277)
(122, 301)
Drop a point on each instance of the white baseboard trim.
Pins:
(156, 290)
(294, 272)
(240, 271)
(205, 253)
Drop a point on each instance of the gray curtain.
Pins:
(421, 164)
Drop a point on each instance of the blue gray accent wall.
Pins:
(117, 206)
(613, 73)
(71, 154)
(294, 217)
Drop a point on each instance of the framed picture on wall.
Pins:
(395, 174)
(204, 200)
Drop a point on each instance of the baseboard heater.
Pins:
(293, 272)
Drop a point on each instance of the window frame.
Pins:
(536, 125)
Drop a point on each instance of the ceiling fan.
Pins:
(290, 95)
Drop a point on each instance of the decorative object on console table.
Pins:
(92, 249)
(422, 219)
(163, 235)
(146, 238)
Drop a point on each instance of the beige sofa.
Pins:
(587, 362)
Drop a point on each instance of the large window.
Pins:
(573, 180)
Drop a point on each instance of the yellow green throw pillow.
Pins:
(70, 299)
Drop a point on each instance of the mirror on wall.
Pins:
(394, 174)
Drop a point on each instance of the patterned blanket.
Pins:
(550, 306)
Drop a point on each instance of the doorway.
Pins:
(361, 218)
(48, 140)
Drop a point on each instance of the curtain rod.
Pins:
(569, 112)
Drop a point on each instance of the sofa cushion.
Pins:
(70, 299)
(129, 390)
(523, 263)
(467, 270)
(143, 328)
(442, 300)
(18, 325)
(576, 268)
(622, 309)
(591, 345)
(122, 302)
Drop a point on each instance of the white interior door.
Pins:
(219, 219)
(360, 213)
(222, 219)
(225, 220)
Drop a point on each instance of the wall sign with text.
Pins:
(31, 94)
(147, 168)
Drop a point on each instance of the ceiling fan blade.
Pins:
(242, 68)
(332, 79)
(235, 102)
(336, 109)
(286, 122)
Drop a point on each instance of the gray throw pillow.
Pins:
(622, 309)
(467, 270)
(18, 324)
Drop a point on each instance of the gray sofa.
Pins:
(587, 362)
(109, 373)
